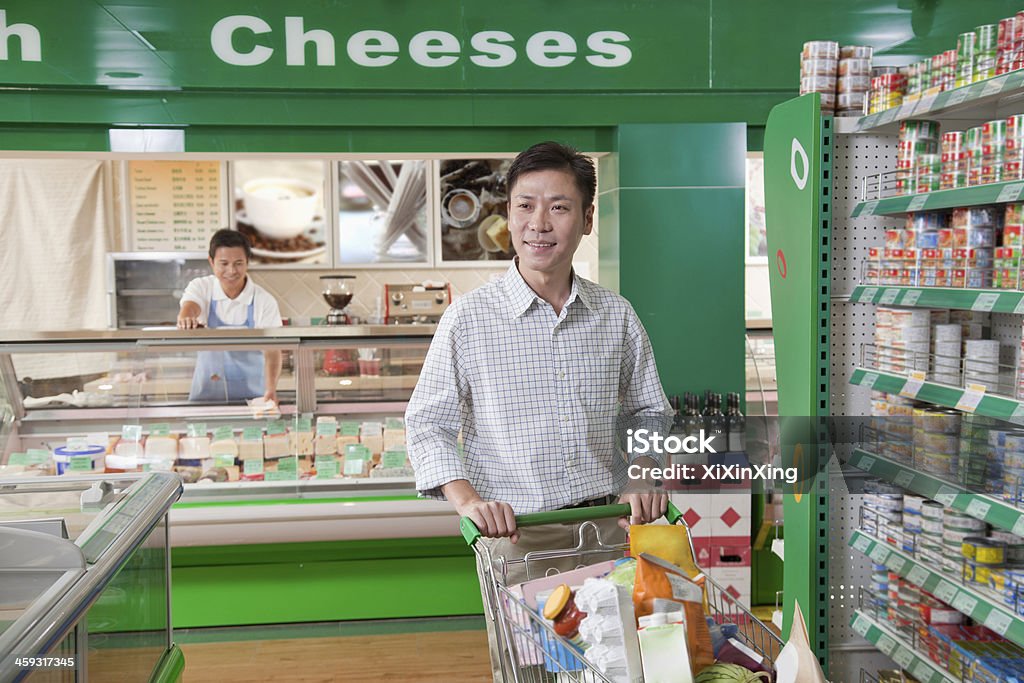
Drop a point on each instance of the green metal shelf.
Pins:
(894, 646)
(978, 100)
(986, 508)
(981, 606)
(999, 407)
(994, 300)
(978, 195)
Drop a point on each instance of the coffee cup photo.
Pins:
(280, 208)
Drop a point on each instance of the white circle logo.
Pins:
(798, 149)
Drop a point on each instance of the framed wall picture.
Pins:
(756, 233)
(472, 212)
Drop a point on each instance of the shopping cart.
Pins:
(535, 652)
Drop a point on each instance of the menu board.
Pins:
(174, 205)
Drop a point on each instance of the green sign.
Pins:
(288, 464)
(354, 467)
(131, 432)
(304, 423)
(252, 467)
(224, 433)
(350, 429)
(326, 428)
(196, 429)
(275, 427)
(38, 456)
(357, 451)
(252, 433)
(392, 459)
(327, 468)
(394, 423)
(223, 460)
(18, 459)
(80, 463)
(159, 429)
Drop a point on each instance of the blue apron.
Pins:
(228, 375)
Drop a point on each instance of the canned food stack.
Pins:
(819, 64)
(975, 233)
(1013, 150)
(854, 81)
(973, 324)
(954, 160)
(993, 148)
(943, 76)
(1007, 44)
(980, 467)
(919, 79)
(956, 526)
(965, 51)
(981, 363)
(947, 354)
(902, 337)
(882, 508)
(936, 441)
(876, 598)
(916, 138)
(1011, 473)
(973, 148)
(904, 611)
(985, 51)
(888, 87)
(929, 545)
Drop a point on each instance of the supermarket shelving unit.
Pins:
(822, 221)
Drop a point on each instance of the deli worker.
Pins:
(230, 299)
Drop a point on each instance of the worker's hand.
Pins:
(271, 395)
(188, 322)
(493, 518)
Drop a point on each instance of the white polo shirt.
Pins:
(202, 290)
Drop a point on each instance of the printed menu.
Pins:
(175, 205)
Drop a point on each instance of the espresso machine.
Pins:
(338, 295)
(421, 304)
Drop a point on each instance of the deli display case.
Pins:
(87, 578)
(319, 481)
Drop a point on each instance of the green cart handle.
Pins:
(471, 533)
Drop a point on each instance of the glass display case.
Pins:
(86, 589)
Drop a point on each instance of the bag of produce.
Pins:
(797, 663)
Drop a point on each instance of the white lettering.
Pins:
(541, 48)
(362, 47)
(223, 31)
(610, 51)
(434, 48)
(28, 37)
(635, 472)
(296, 38)
(494, 52)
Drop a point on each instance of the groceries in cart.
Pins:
(797, 662)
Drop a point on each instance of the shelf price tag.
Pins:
(1018, 526)
(886, 644)
(889, 296)
(223, 461)
(879, 554)
(921, 671)
(993, 86)
(861, 625)
(896, 563)
(1017, 416)
(866, 462)
(1010, 193)
(869, 208)
(131, 432)
(327, 467)
(917, 576)
(903, 657)
(393, 459)
(925, 103)
(869, 379)
(252, 466)
(867, 295)
(81, 463)
(195, 429)
(37, 456)
(224, 433)
(946, 495)
(970, 399)
(956, 97)
(985, 302)
(998, 621)
(945, 591)
(910, 298)
(913, 385)
(862, 544)
(978, 509)
(964, 603)
(904, 479)
(918, 202)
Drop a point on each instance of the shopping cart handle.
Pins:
(471, 533)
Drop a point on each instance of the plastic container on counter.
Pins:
(62, 456)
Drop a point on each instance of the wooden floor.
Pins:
(452, 657)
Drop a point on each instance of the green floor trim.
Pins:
(320, 551)
(383, 627)
(170, 667)
(290, 501)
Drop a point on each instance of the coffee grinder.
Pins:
(338, 295)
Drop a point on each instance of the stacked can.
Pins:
(888, 88)
(985, 51)
(854, 81)
(893, 420)
(981, 555)
(929, 544)
(1005, 45)
(1011, 474)
(993, 149)
(975, 233)
(929, 173)
(882, 509)
(976, 437)
(919, 78)
(947, 354)
(936, 441)
(819, 64)
(956, 526)
(1013, 149)
(954, 161)
(1006, 268)
(981, 363)
(902, 338)
(916, 138)
(965, 50)
(943, 76)
(1016, 47)
(1014, 545)
(973, 149)
(904, 612)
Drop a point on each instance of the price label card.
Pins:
(81, 463)
(998, 621)
(327, 468)
(965, 603)
(946, 495)
(861, 625)
(904, 479)
(194, 429)
(223, 433)
(867, 295)
(970, 399)
(37, 456)
(326, 428)
(252, 433)
(886, 644)
(993, 86)
(224, 461)
(910, 298)
(918, 202)
(945, 591)
(887, 116)
(889, 296)
(304, 424)
(985, 302)
(350, 429)
(869, 380)
(903, 657)
(288, 464)
(922, 671)
(862, 544)
(1018, 526)
(1019, 307)
(896, 563)
(159, 429)
(917, 576)
(280, 475)
(275, 427)
(252, 466)
(866, 463)
(925, 103)
(354, 467)
(1010, 193)
(131, 432)
(19, 459)
(978, 509)
(394, 423)
(913, 385)
(956, 97)
(357, 451)
(869, 208)
(880, 554)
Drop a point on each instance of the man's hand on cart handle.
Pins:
(493, 518)
(647, 501)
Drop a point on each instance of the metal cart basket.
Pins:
(535, 652)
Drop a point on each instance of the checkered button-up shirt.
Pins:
(538, 397)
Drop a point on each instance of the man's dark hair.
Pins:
(225, 237)
(546, 156)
